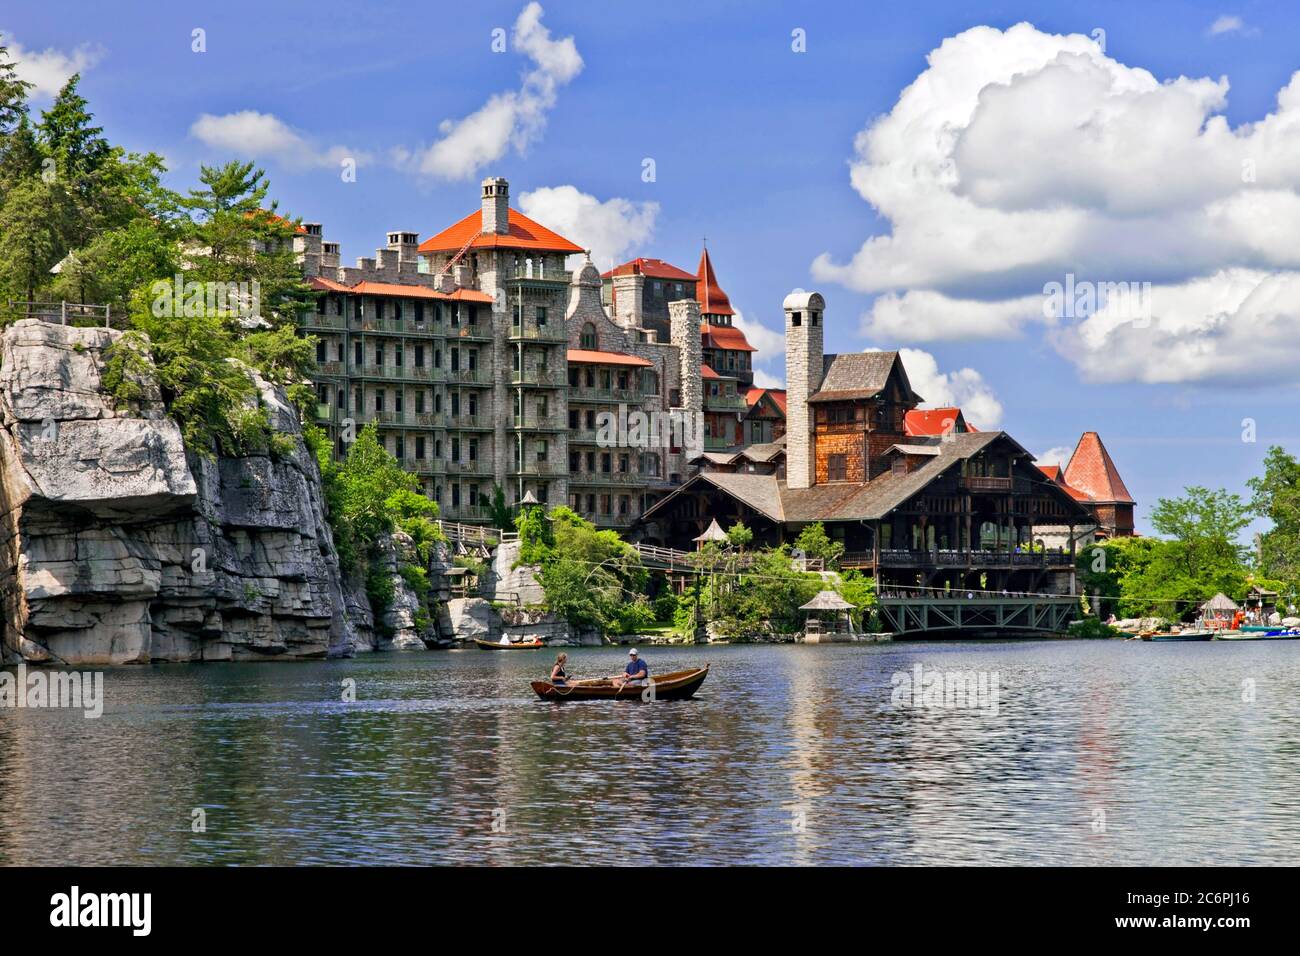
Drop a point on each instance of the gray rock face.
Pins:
(509, 583)
(118, 546)
(466, 619)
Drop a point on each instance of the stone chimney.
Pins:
(496, 206)
(404, 244)
(803, 376)
(684, 327)
(629, 293)
(329, 255)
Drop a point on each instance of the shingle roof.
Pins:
(524, 234)
(396, 289)
(857, 375)
(1092, 471)
(935, 421)
(726, 337)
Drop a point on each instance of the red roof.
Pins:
(655, 268)
(706, 372)
(935, 421)
(592, 357)
(524, 234)
(397, 289)
(1054, 473)
(278, 220)
(754, 394)
(713, 301)
(1092, 471)
(725, 337)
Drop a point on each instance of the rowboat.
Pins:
(515, 646)
(1277, 634)
(679, 685)
(1182, 636)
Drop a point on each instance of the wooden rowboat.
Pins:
(519, 646)
(1182, 636)
(679, 685)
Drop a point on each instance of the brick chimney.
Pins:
(496, 206)
(803, 376)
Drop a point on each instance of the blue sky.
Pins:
(752, 144)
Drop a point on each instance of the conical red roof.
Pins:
(713, 301)
(1092, 471)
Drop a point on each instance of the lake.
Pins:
(1092, 752)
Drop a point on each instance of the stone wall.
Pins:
(119, 546)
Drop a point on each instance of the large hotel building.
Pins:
(483, 361)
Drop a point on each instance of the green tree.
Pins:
(815, 543)
(1276, 496)
(34, 226)
(13, 92)
(500, 514)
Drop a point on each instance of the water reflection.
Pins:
(788, 755)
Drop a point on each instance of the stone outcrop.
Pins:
(467, 619)
(510, 583)
(117, 545)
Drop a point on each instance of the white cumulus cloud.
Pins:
(1060, 455)
(1229, 23)
(266, 136)
(1019, 157)
(963, 388)
(513, 118)
(764, 379)
(769, 342)
(609, 228)
(47, 70)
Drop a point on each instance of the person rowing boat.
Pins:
(636, 673)
(558, 677)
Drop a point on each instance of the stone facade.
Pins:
(468, 375)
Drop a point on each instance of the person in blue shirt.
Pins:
(636, 673)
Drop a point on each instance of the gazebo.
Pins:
(1219, 611)
(825, 610)
(712, 533)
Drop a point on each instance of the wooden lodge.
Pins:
(959, 509)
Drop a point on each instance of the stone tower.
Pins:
(803, 376)
(684, 318)
(496, 206)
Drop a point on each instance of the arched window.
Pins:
(588, 339)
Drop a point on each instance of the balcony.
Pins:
(539, 469)
(476, 466)
(399, 373)
(478, 332)
(539, 377)
(315, 320)
(467, 376)
(538, 333)
(463, 512)
(978, 558)
(716, 443)
(330, 368)
(425, 466)
(623, 478)
(469, 423)
(734, 403)
(543, 423)
(608, 396)
(602, 520)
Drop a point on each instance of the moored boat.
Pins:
(1200, 635)
(512, 646)
(677, 685)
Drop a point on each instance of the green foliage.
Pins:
(380, 590)
(767, 596)
(859, 590)
(739, 536)
(1142, 577)
(500, 514)
(815, 543)
(1276, 495)
(13, 93)
(536, 538)
(665, 607)
(1092, 628)
(591, 578)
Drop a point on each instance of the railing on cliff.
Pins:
(62, 313)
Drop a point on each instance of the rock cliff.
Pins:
(119, 546)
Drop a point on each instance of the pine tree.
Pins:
(34, 226)
(13, 93)
(78, 149)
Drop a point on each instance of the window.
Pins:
(397, 310)
(379, 309)
(541, 450)
(541, 316)
(419, 402)
(320, 304)
(419, 312)
(320, 350)
(419, 447)
(455, 403)
(575, 419)
(356, 353)
(399, 448)
(356, 308)
(379, 355)
(379, 399)
(338, 352)
(397, 355)
(588, 339)
(836, 468)
(419, 356)
(473, 404)
(473, 449)
(397, 405)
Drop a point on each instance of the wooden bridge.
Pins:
(670, 559)
(977, 611)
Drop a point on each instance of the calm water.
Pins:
(788, 755)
